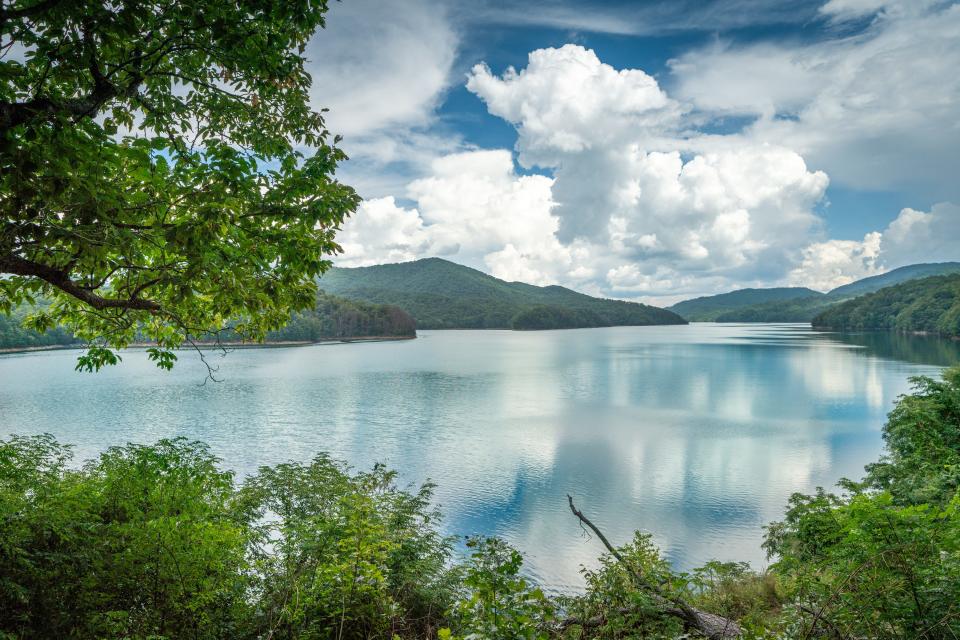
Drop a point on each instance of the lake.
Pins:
(696, 434)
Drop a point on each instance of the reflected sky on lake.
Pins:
(697, 434)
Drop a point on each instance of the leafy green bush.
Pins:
(883, 561)
(496, 601)
(144, 542)
(156, 542)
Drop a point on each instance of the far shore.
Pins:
(226, 345)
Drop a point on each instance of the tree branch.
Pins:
(28, 12)
(61, 280)
(13, 114)
(709, 624)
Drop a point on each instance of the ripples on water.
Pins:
(696, 434)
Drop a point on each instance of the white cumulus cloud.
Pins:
(381, 69)
(913, 237)
(639, 203)
(473, 208)
(876, 110)
(626, 180)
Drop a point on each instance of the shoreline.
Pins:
(902, 332)
(227, 345)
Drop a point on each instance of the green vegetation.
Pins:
(331, 318)
(161, 169)
(158, 542)
(444, 295)
(335, 317)
(707, 308)
(796, 310)
(796, 304)
(544, 316)
(896, 276)
(929, 305)
(14, 335)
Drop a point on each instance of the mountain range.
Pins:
(441, 294)
(796, 304)
(432, 293)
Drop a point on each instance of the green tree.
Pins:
(144, 542)
(883, 561)
(161, 169)
(345, 556)
(497, 601)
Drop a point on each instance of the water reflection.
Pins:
(696, 434)
(918, 349)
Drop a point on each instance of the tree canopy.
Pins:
(930, 305)
(162, 169)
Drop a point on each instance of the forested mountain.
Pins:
(708, 308)
(928, 305)
(332, 318)
(796, 310)
(796, 304)
(896, 276)
(443, 295)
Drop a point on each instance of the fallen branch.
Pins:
(708, 624)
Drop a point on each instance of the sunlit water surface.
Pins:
(696, 434)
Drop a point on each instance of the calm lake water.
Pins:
(697, 434)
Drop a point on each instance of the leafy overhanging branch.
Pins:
(162, 167)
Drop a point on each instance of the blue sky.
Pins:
(648, 150)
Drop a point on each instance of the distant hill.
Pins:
(796, 304)
(708, 308)
(441, 294)
(795, 310)
(896, 276)
(928, 305)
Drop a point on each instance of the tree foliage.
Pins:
(161, 169)
(14, 335)
(333, 317)
(928, 305)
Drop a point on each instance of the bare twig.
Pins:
(710, 625)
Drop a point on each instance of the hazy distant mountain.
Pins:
(443, 295)
(911, 272)
(707, 308)
(795, 310)
(926, 305)
(796, 304)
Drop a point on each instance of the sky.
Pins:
(651, 151)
